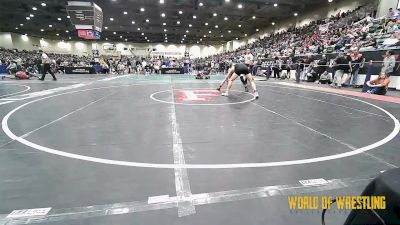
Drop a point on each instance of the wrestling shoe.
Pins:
(226, 94)
(256, 94)
(246, 89)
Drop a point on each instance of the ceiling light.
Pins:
(201, 39)
(240, 6)
(59, 19)
(68, 17)
(209, 31)
(226, 18)
(133, 22)
(114, 32)
(254, 17)
(187, 31)
(106, 39)
(161, 1)
(178, 22)
(43, 4)
(142, 34)
(206, 24)
(229, 31)
(106, 28)
(67, 31)
(180, 12)
(28, 18)
(245, 35)
(69, 38)
(145, 38)
(16, 28)
(216, 26)
(21, 25)
(237, 38)
(201, 4)
(164, 24)
(215, 14)
(126, 39)
(184, 35)
(276, 5)
(166, 41)
(165, 30)
(162, 14)
(190, 25)
(181, 42)
(41, 30)
(120, 36)
(34, 8)
(257, 30)
(138, 28)
(194, 16)
(31, 15)
(239, 25)
(50, 25)
(330, 0)
(227, 0)
(147, 20)
(142, 9)
(204, 35)
(295, 14)
(111, 19)
(58, 34)
(166, 35)
(197, 42)
(165, 38)
(125, 13)
(273, 23)
(148, 40)
(222, 35)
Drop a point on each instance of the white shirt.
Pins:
(248, 59)
(45, 58)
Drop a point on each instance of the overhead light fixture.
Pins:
(229, 31)
(126, 39)
(257, 30)
(138, 28)
(120, 36)
(142, 9)
(227, 0)
(41, 30)
(178, 22)
(254, 17)
(58, 34)
(209, 32)
(125, 13)
(330, 0)
(68, 17)
(197, 42)
(16, 28)
(237, 38)
(204, 35)
(166, 38)
(166, 35)
(142, 34)
(201, 39)
(111, 19)
(50, 25)
(180, 12)
(239, 25)
(222, 35)
(43, 4)
(31, 15)
(216, 26)
(184, 35)
(133, 22)
(147, 20)
(245, 35)
(215, 14)
(164, 24)
(225, 18)
(145, 38)
(194, 17)
(148, 40)
(165, 30)
(273, 23)
(59, 19)
(69, 38)
(34, 8)
(201, 4)
(187, 31)
(190, 25)
(114, 32)
(276, 5)
(106, 39)
(295, 14)
(106, 28)
(206, 24)
(67, 31)
(161, 1)
(28, 18)
(166, 41)
(162, 14)
(240, 6)
(21, 24)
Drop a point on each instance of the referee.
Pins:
(46, 67)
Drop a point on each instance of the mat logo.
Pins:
(196, 95)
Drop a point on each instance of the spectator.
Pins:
(389, 62)
(342, 67)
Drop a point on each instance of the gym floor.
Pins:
(143, 149)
